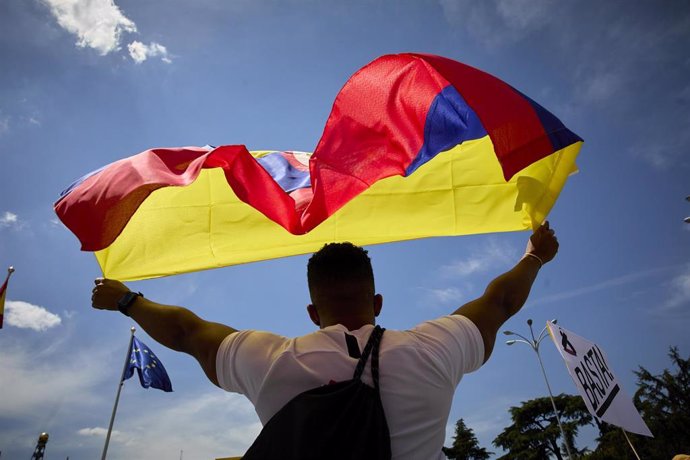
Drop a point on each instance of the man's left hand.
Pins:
(107, 293)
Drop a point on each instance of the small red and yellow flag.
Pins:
(3, 291)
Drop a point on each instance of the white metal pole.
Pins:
(534, 344)
(117, 396)
(553, 403)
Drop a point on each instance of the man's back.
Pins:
(419, 369)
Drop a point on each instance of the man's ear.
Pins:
(378, 304)
(314, 315)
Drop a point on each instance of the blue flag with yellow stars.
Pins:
(150, 369)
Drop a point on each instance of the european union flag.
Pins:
(150, 369)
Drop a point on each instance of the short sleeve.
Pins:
(244, 358)
(454, 343)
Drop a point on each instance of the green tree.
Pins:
(612, 444)
(465, 445)
(535, 435)
(664, 402)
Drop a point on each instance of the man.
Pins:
(419, 368)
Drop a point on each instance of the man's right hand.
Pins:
(174, 327)
(543, 243)
(107, 293)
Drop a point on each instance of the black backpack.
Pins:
(339, 421)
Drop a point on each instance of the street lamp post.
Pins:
(534, 344)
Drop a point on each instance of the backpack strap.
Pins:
(352, 346)
(372, 347)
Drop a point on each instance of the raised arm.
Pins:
(506, 294)
(175, 327)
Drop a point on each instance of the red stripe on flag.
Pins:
(99, 208)
(374, 131)
(515, 130)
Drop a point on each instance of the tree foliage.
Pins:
(465, 445)
(664, 402)
(535, 435)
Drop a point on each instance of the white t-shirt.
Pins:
(419, 370)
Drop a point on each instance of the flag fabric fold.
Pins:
(415, 146)
(148, 366)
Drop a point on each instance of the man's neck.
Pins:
(352, 324)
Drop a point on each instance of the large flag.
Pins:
(416, 146)
(592, 373)
(150, 369)
(3, 293)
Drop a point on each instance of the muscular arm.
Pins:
(175, 327)
(505, 295)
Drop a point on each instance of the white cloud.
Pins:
(96, 431)
(680, 291)
(495, 23)
(600, 87)
(616, 65)
(663, 153)
(604, 285)
(8, 122)
(27, 316)
(139, 52)
(4, 125)
(524, 14)
(465, 267)
(35, 382)
(98, 24)
(9, 219)
(633, 64)
(445, 296)
(493, 253)
(100, 432)
(209, 425)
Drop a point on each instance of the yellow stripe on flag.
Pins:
(460, 192)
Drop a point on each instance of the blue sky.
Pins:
(83, 83)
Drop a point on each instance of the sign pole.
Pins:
(630, 444)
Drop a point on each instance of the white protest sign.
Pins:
(601, 391)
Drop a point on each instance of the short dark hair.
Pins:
(338, 263)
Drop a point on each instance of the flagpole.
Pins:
(630, 444)
(117, 396)
(10, 270)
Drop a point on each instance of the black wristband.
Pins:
(126, 301)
